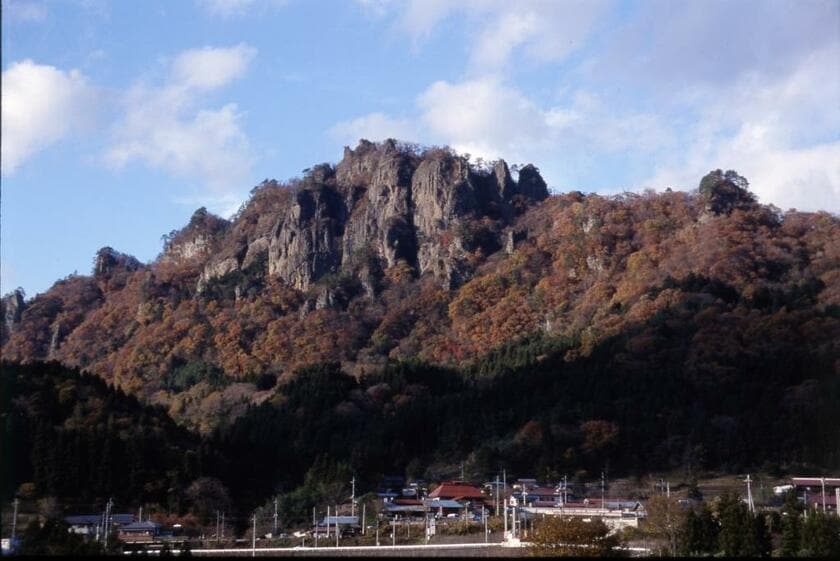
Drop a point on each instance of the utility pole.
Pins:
(14, 521)
(274, 533)
(750, 504)
(394, 531)
(364, 519)
(337, 532)
(497, 495)
(565, 490)
(484, 516)
(513, 522)
(328, 521)
(217, 527)
(837, 499)
(822, 483)
(315, 526)
(108, 520)
(504, 516)
(353, 497)
(223, 524)
(603, 485)
(254, 538)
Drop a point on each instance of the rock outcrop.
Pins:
(197, 239)
(109, 261)
(306, 243)
(382, 204)
(12, 306)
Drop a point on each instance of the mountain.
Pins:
(400, 253)
(407, 311)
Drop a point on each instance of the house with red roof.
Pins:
(457, 491)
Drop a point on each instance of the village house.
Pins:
(819, 493)
(457, 491)
(89, 525)
(445, 508)
(347, 525)
(144, 531)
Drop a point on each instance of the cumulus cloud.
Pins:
(779, 132)
(491, 119)
(543, 30)
(210, 68)
(669, 93)
(483, 117)
(375, 126)
(41, 105)
(164, 127)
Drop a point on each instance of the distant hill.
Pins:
(69, 435)
(400, 253)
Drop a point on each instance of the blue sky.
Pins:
(121, 118)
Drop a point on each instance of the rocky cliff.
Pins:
(386, 203)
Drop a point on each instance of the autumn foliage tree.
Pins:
(573, 536)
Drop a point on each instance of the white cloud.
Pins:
(779, 132)
(490, 119)
(375, 8)
(683, 44)
(544, 30)
(483, 117)
(235, 8)
(41, 105)
(164, 127)
(375, 127)
(667, 92)
(17, 10)
(209, 68)
(226, 8)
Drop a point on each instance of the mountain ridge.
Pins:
(400, 252)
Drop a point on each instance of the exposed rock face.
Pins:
(12, 305)
(531, 184)
(55, 340)
(109, 261)
(383, 203)
(378, 182)
(307, 241)
(197, 239)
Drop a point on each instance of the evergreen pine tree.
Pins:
(707, 534)
(791, 530)
(733, 515)
(690, 534)
(821, 535)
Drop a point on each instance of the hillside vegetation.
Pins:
(408, 288)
